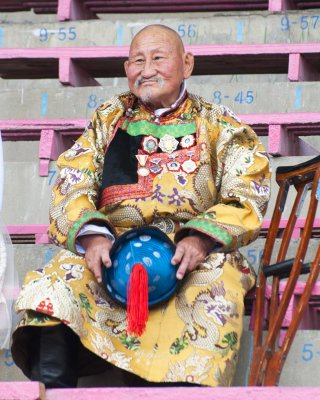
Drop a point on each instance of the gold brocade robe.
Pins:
(206, 171)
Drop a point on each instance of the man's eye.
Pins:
(157, 58)
(139, 61)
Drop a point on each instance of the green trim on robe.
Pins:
(143, 127)
(84, 219)
(211, 229)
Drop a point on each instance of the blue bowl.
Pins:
(150, 247)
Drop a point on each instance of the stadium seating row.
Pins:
(37, 233)
(67, 61)
(79, 66)
(193, 28)
(87, 9)
(283, 131)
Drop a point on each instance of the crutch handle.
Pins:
(283, 268)
(294, 168)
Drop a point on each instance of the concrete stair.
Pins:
(300, 370)
(73, 9)
(79, 66)
(22, 206)
(194, 28)
(246, 97)
(53, 75)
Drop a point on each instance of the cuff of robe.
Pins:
(91, 216)
(222, 238)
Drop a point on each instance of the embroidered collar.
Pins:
(161, 111)
(180, 110)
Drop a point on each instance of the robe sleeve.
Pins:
(242, 178)
(75, 195)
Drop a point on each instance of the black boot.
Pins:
(54, 358)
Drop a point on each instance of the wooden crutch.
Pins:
(269, 356)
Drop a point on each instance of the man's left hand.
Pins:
(191, 251)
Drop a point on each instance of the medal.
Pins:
(187, 141)
(156, 169)
(149, 144)
(173, 165)
(142, 160)
(168, 144)
(189, 166)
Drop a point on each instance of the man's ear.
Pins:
(126, 64)
(188, 65)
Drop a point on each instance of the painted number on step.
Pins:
(309, 352)
(188, 31)
(304, 22)
(94, 101)
(8, 361)
(254, 256)
(241, 97)
(63, 34)
(51, 175)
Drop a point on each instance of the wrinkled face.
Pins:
(157, 66)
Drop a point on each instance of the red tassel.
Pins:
(137, 300)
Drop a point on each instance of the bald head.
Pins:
(154, 29)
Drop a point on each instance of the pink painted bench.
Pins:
(56, 135)
(79, 66)
(35, 391)
(37, 233)
(22, 390)
(87, 9)
(310, 319)
(236, 393)
(40, 7)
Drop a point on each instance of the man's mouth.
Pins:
(149, 82)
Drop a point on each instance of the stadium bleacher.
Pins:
(261, 58)
(80, 9)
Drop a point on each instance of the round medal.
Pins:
(187, 141)
(143, 171)
(173, 166)
(142, 160)
(168, 144)
(189, 166)
(149, 144)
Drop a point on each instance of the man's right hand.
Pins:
(97, 249)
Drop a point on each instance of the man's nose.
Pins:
(148, 69)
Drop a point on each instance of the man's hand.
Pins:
(191, 251)
(97, 253)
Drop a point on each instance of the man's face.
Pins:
(156, 67)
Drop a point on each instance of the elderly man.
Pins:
(159, 156)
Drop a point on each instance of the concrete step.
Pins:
(301, 360)
(19, 17)
(79, 66)
(26, 199)
(71, 10)
(193, 28)
(32, 256)
(283, 134)
(300, 369)
(35, 190)
(243, 98)
(47, 84)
